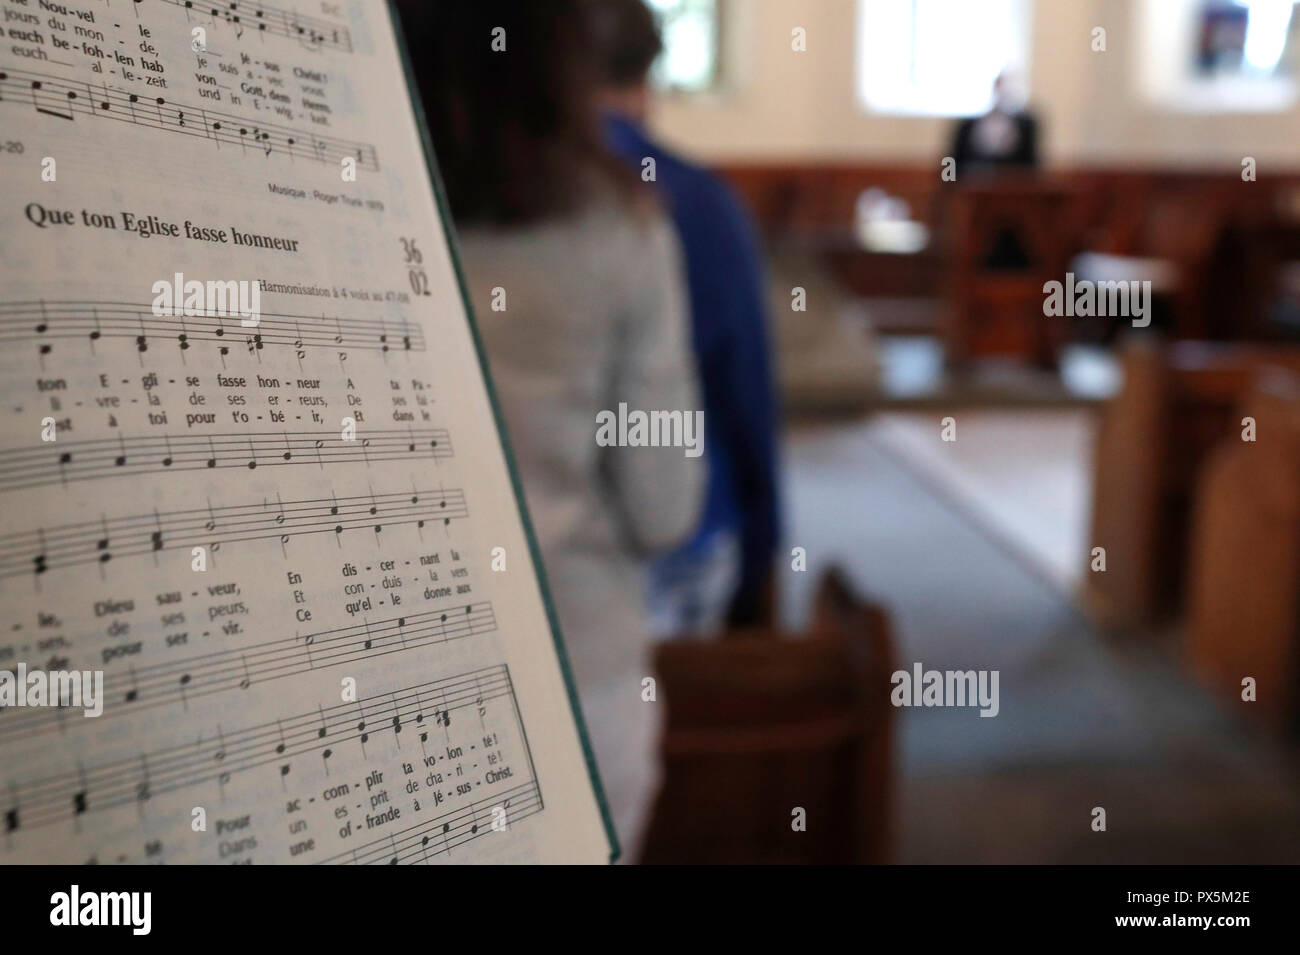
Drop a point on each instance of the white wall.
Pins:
(777, 104)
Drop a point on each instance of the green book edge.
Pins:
(431, 162)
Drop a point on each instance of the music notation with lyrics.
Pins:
(69, 100)
(266, 19)
(66, 462)
(47, 322)
(220, 757)
(60, 547)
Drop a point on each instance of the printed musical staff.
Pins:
(70, 99)
(194, 677)
(266, 19)
(429, 838)
(133, 780)
(299, 630)
(65, 462)
(112, 539)
(46, 322)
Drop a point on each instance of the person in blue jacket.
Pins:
(723, 574)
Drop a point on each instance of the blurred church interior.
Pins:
(1107, 529)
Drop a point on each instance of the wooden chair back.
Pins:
(761, 725)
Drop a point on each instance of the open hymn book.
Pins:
(255, 505)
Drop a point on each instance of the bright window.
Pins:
(938, 57)
(1245, 36)
(1219, 55)
(689, 62)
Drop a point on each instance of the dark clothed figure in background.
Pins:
(723, 574)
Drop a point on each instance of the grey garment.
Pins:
(595, 314)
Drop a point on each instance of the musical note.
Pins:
(279, 520)
(143, 793)
(156, 538)
(478, 701)
(361, 726)
(41, 329)
(79, 797)
(36, 87)
(141, 340)
(102, 545)
(419, 720)
(307, 643)
(39, 562)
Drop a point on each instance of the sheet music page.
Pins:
(250, 471)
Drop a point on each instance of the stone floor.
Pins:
(1084, 722)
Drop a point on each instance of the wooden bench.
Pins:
(1244, 581)
(1178, 402)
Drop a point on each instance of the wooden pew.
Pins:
(760, 724)
(1216, 236)
(1244, 580)
(1178, 401)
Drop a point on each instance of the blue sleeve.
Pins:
(736, 358)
